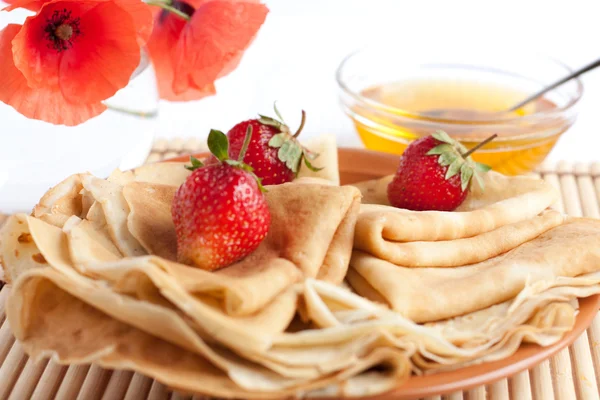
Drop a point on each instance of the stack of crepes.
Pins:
(341, 298)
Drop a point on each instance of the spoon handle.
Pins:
(574, 74)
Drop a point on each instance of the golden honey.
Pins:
(394, 114)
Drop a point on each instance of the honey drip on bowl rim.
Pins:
(421, 105)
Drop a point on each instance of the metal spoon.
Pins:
(567, 78)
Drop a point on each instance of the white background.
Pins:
(298, 49)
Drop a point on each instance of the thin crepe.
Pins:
(373, 231)
(505, 200)
(312, 226)
(150, 220)
(62, 201)
(311, 233)
(327, 160)
(430, 294)
(51, 315)
(109, 196)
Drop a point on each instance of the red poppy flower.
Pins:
(188, 56)
(76, 53)
(137, 9)
(45, 104)
(167, 28)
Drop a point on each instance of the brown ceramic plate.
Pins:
(358, 165)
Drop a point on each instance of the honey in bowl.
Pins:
(469, 111)
(394, 97)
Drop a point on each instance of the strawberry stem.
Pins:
(245, 144)
(480, 145)
(302, 122)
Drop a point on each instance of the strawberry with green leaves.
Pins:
(220, 213)
(435, 173)
(274, 151)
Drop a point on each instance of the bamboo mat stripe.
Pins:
(574, 373)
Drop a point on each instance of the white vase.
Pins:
(35, 155)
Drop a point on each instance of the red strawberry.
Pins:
(274, 152)
(434, 174)
(219, 212)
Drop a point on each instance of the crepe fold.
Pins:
(310, 236)
(507, 213)
(79, 320)
(503, 201)
(340, 299)
(430, 294)
(74, 320)
(374, 231)
(430, 266)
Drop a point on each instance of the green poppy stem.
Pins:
(169, 8)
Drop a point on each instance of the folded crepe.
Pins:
(97, 200)
(233, 307)
(509, 212)
(503, 201)
(327, 160)
(95, 280)
(63, 200)
(431, 294)
(312, 227)
(541, 313)
(78, 320)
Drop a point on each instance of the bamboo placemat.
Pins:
(574, 373)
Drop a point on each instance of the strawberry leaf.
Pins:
(308, 164)
(447, 158)
(443, 137)
(482, 167)
(278, 140)
(277, 111)
(195, 164)
(479, 180)
(466, 173)
(263, 119)
(440, 149)
(454, 168)
(290, 152)
(310, 155)
(218, 144)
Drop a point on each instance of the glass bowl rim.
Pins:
(416, 115)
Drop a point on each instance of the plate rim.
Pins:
(526, 357)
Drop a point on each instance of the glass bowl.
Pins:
(524, 137)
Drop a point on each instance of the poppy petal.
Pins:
(214, 40)
(165, 34)
(33, 51)
(98, 62)
(44, 104)
(137, 9)
(141, 14)
(33, 5)
(107, 56)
